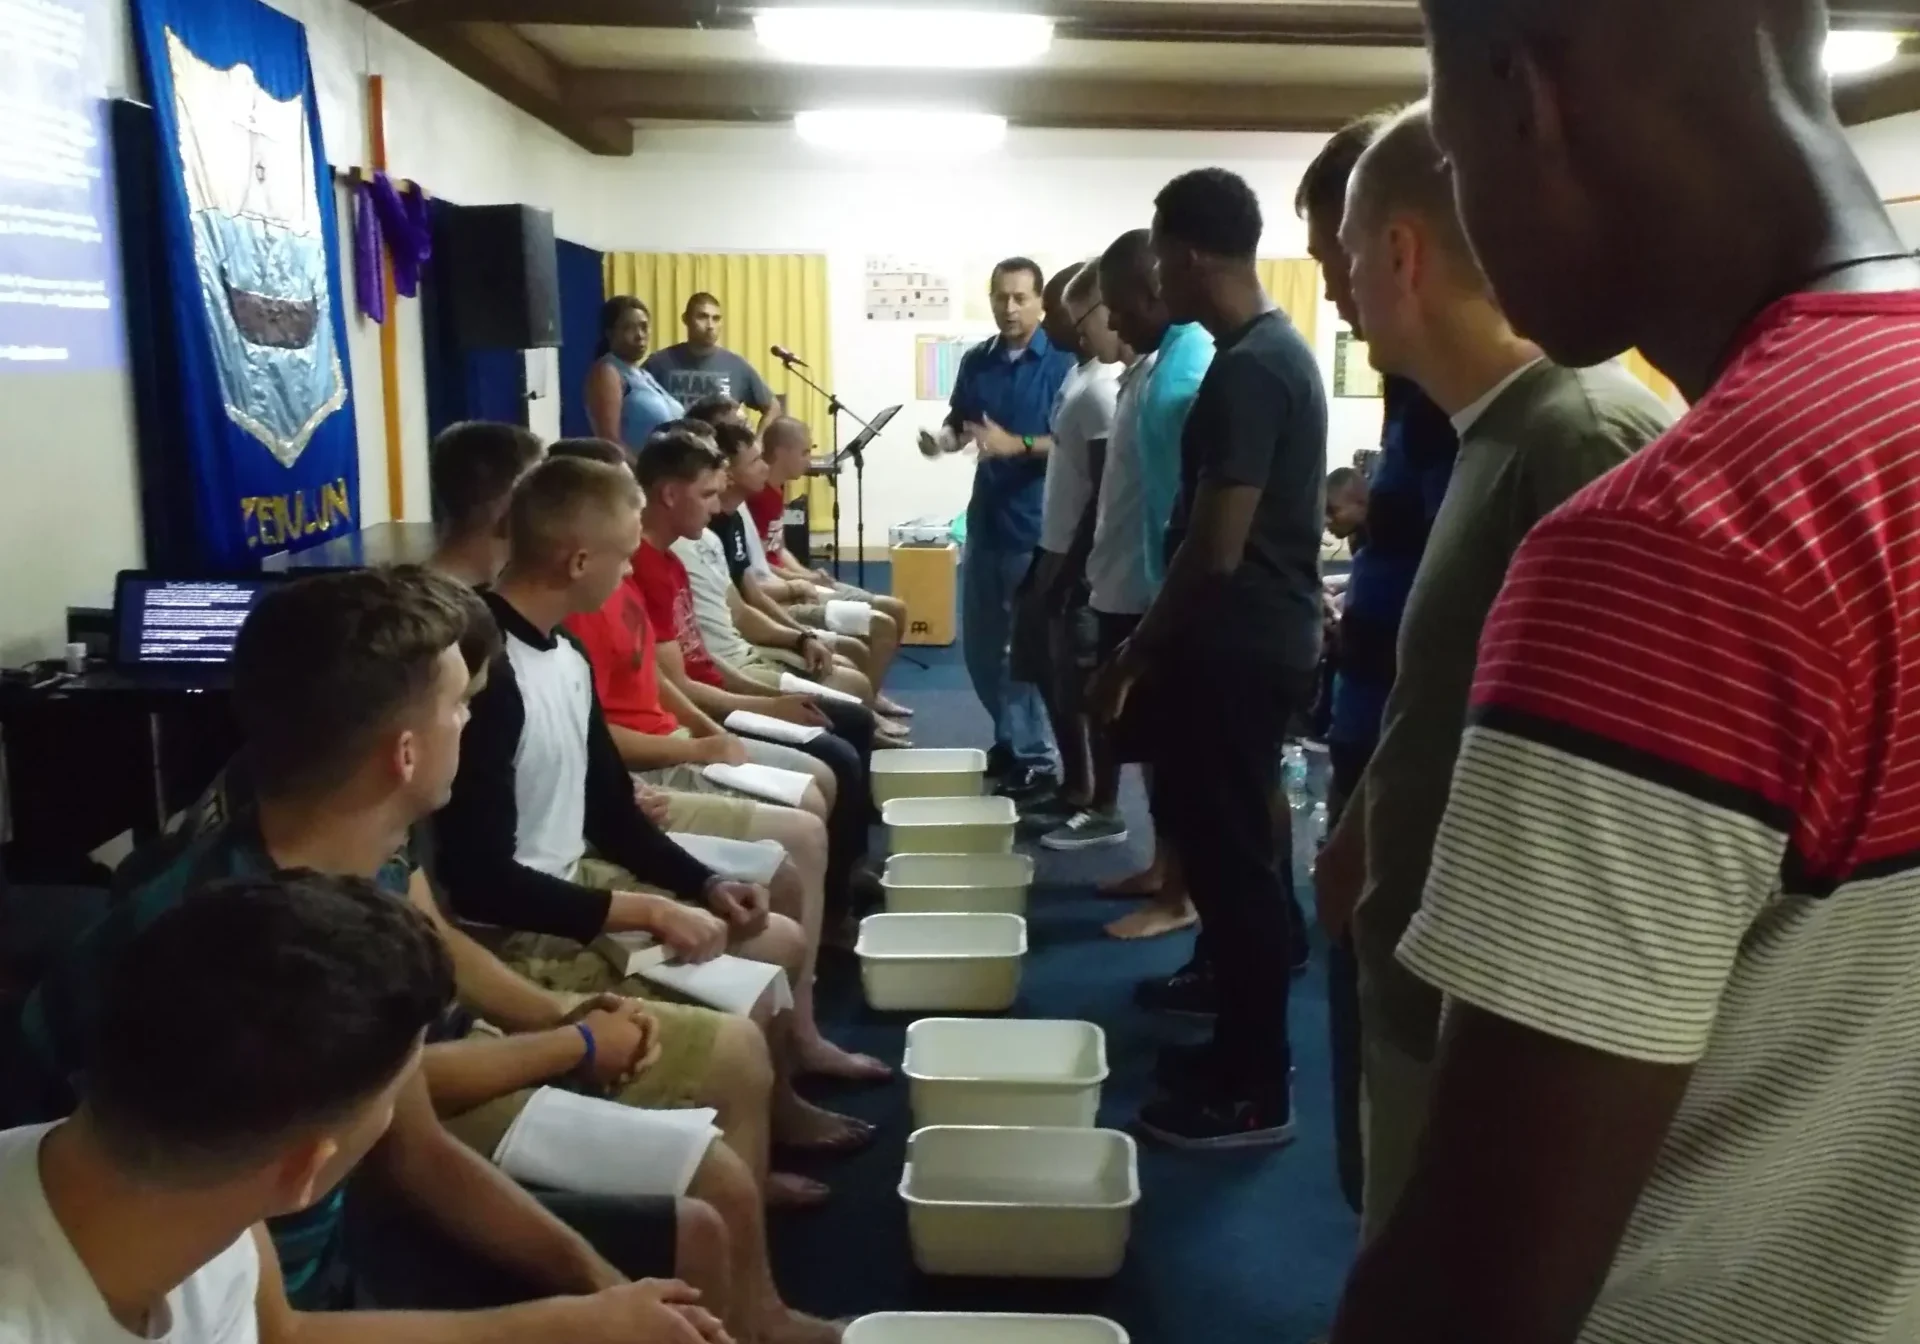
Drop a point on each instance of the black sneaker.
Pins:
(1185, 993)
(1000, 761)
(1045, 814)
(1213, 1120)
(1087, 830)
(1029, 783)
(1186, 1069)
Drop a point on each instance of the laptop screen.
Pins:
(181, 621)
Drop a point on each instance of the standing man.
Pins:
(1003, 399)
(1673, 908)
(1533, 434)
(1388, 519)
(700, 367)
(1228, 650)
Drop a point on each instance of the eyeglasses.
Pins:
(1081, 324)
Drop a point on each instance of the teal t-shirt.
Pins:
(1186, 353)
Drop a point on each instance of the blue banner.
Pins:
(248, 222)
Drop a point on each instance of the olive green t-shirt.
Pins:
(1546, 435)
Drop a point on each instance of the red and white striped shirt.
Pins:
(1685, 828)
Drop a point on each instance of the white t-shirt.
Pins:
(1117, 567)
(47, 1296)
(757, 564)
(555, 684)
(1082, 415)
(712, 583)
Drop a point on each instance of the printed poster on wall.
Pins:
(902, 289)
(248, 221)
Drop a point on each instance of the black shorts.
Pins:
(1113, 631)
(1030, 655)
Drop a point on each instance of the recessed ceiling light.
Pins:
(1851, 52)
(904, 38)
(895, 131)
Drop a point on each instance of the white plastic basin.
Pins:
(929, 772)
(941, 963)
(1020, 1203)
(949, 825)
(904, 1327)
(1013, 1072)
(957, 883)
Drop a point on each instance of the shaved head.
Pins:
(1404, 174)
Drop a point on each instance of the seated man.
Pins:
(253, 1046)
(473, 467)
(619, 642)
(541, 780)
(351, 689)
(743, 625)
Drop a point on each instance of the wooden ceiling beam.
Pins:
(1884, 93)
(1061, 100)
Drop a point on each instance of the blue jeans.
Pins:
(988, 578)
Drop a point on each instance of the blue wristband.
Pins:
(586, 1034)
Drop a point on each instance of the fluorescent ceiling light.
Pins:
(905, 37)
(1851, 52)
(896, 131)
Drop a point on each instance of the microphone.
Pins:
(787, 357)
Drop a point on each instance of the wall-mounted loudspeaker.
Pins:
(496, 270)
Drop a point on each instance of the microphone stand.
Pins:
(836, 408)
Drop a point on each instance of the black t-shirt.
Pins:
(732, 531)
(1260, 419)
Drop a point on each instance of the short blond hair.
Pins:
(559, 500)
(1403, 172)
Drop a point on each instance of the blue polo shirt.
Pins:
(1417, 452)
(1017, 393)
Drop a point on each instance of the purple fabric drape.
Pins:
(387, 219)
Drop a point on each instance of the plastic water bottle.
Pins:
(1319, 825)
(1293, 775)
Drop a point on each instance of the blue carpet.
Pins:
(1225, 1248)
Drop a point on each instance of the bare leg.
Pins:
(758, 1314)
(703, 1250)
(802, 898)
(797, 1122)
(1167, 911)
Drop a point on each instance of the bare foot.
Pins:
(1146, 882)
(821, 1056)
(893, 709)
(800, 1125)
(798, 1328)
(788, 1191)
(1155, 919)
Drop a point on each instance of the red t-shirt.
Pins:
(668, 594)
(769, 509)
(620, 644)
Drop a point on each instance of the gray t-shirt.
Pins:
(689, 374)
(1547, 434)
(1082, 417)
(1260, 419)
(1117, 567)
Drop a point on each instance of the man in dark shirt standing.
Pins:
(1227, 653)
(700, 367)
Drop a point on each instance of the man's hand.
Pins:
(654, 804)
(1112, 685)
(691, 934)
(625, 1043)
(819, 657)
(994, 441)
(653, 1311)
(744, 905)
(798, 709)
(722, 749)
(1339, 875)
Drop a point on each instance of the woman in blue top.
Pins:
(624, 402)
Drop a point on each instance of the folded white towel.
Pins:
(592, 1146)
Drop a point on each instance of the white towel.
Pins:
(850, 618)
(765, 726)
(786, 787)
(735, 860)
(793, 685)
(729, 983)
(592, 1146)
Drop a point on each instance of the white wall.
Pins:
(1891, 151)
(1052, 195)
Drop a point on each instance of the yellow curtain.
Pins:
(1663, 387)
(767, 299)
(1294, 284)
